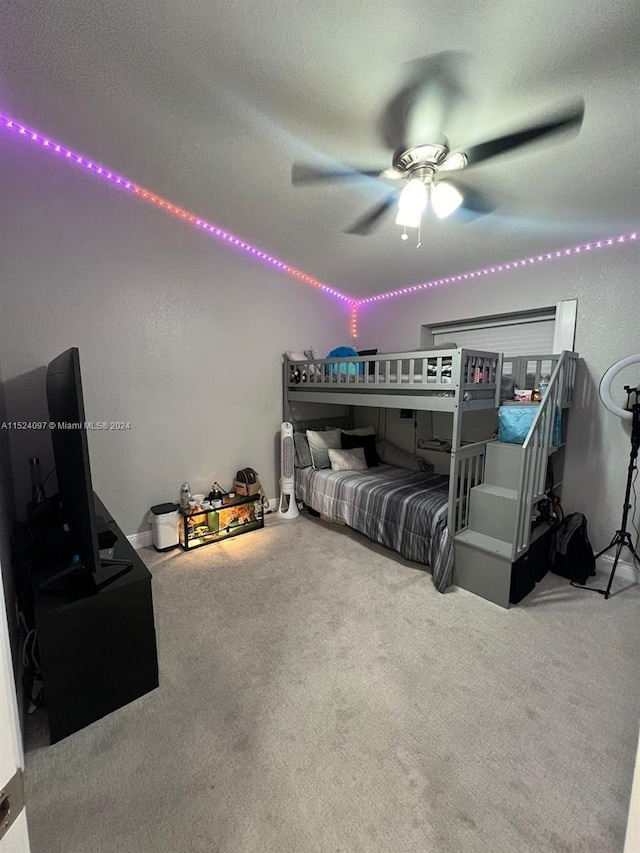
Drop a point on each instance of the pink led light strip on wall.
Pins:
(33, 136)
(105, 174)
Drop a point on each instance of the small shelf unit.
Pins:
(200, 527)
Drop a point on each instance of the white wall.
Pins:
(178, 334)
(605, 283)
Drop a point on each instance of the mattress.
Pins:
(403, 510)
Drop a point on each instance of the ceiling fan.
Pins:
(422, 172)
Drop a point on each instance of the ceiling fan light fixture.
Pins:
(408, 218)
(411, 204)
(453, 162)
(445, 199)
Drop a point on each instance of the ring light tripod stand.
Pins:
(622, 537)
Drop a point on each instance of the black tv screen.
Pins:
(71, 454)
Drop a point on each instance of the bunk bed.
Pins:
(414, 517)
(459, 381)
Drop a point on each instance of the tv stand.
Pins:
(103, 579)
(96, 636)
(74, 574)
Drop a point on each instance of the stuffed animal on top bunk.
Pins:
(346, 367)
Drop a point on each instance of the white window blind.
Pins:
(523, 335)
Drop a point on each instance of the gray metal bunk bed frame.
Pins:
(443, 380)
(447, 380)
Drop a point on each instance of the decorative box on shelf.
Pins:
(235, 516)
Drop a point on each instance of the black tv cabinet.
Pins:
(97, 643)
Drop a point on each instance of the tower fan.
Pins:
(288, 506)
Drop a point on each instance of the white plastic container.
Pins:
(164, 526)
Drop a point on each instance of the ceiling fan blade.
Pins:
(306, 173)
(572, 117)
(476, 203)
(419, 110)
(366, 223)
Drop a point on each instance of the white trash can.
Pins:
(164, 526)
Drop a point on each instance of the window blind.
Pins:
(526, 336)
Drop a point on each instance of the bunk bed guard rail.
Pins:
(539, 444)
(435, 371)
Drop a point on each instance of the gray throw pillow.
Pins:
(368, 430)
(303, 453)
(390, 454)
(319, 444)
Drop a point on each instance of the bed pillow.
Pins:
(347, 460)
(303, 452)
(372, 364)
(296, 356)
(507, 387)
(389, 454)
(368, 430)
(313, 354)
(366, 442)
(319, 444)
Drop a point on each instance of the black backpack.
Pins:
(571, 552)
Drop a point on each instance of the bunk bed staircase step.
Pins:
(481, 571)
(492, 511)
(503, 464)
(498, 547)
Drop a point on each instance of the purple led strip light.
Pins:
(114, 179)
(122, 183)
(497, 268)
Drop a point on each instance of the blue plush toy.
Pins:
(340, 352)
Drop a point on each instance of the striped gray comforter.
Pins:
(404, 510)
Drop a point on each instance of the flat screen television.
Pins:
(73, 471)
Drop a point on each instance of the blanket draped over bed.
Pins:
(404, 510)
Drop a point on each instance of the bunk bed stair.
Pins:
(486, 556)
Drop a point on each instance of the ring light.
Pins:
(605, 386)
(622, 537)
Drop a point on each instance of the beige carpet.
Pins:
(318, 694)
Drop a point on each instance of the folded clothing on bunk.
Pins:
(436, 444)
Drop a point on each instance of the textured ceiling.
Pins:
(209, 103)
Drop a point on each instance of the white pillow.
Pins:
(296, 356)
(348, 460)
(312, 354)
(368, 430)
(319, 444)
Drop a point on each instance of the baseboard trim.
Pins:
(624, 570)
(141, 540)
